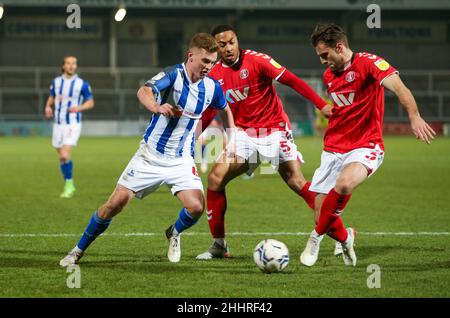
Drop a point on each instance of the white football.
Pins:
(271, 256)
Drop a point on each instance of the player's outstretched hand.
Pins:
(422, 130)
(327, 111)
(168, 110)
(48, 112)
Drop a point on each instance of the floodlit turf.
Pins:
(410, 193)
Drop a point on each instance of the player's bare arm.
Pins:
(227, 118)
(146, 97)
(48, 111)
(420, 128)
(85, 106)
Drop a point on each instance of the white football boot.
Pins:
(311, 252)
(174, 251)
(72, 258)
(348, 251)
(337, 248)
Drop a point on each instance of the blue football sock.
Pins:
(185, 221)
(66, 169)
(95, 227)
(69, 167)
(63, 169)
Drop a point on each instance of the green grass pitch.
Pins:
(410, 193)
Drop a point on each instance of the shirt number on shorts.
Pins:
(284, 146)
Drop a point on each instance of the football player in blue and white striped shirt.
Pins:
(177, 98)
(70, 95)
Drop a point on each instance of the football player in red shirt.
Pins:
(353, 143)
(263, 128)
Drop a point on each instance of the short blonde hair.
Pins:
(204, 41)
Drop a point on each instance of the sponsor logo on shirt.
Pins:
(187, 113)
(236, 95)
(343, 99)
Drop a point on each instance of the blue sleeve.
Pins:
(218, 101)
(52, 89)
(161, 81)
(86, 91)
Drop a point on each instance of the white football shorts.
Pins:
(277, 147)
(64, 134)
(332, 163)
(146, 172)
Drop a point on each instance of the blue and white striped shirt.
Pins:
(174, 137)
(69, 93)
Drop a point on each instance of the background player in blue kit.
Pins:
(70, 95)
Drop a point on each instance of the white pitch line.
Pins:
(229, 234)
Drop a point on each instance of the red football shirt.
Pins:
(358, 96)
(248, 88)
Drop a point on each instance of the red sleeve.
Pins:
(378, 68)
(300, 86)
(266, 65)
(207, 117)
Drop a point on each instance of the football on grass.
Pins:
(271, 256)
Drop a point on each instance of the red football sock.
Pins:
(332, 206)
(216, 207)
(337, 230)
(307, 195)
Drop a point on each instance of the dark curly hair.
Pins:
(328, 33)
(223, 28)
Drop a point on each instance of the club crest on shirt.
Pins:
(243, 73)
(350, 77)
